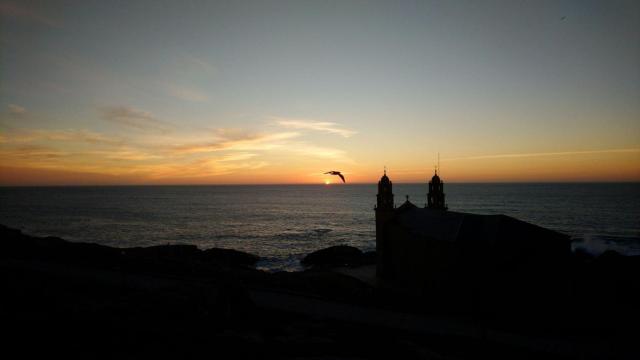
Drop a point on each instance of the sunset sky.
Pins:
(205, 92)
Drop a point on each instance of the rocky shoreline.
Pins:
(88, 300)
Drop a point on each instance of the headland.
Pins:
(88, 300)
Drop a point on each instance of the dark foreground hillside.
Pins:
(177, 301)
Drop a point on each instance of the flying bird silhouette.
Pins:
(336, 173)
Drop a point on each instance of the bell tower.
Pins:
(385, 194)
(384, 211)
(435, 197)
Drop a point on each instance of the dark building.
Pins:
(424, 247)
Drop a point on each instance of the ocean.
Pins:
(282, 223)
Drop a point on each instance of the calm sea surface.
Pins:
(282, 223)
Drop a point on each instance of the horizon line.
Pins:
(333, 184)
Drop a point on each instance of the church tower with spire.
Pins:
(385, 194)
(435, 197)
(384, 211)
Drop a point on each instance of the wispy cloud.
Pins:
(22, 153)
(200, 64)
(133, 118)
(82, 135)
(188, 94)
(321, 152)
(542, 154)
(16, 110)
(127, 154)
(69, 135)
(237, 140)
(33, 156)
(20, 11)
(61, 149)
(324, 126)
(202, 168)
(237, 157)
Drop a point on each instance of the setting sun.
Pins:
(327, 182)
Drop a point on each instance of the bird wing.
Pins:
(341, 177)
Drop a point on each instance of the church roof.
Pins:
(407, 205)
(463, 227)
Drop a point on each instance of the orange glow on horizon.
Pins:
(594, 168)
(602, 166)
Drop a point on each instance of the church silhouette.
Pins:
(418, 247)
